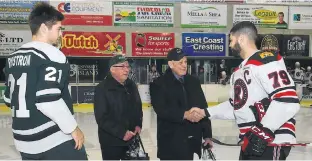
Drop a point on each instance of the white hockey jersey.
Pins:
(310, 79)
(298, 75)
(261, 76)
(307, 77)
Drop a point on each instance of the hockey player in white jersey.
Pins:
(261, 76)
(298, 74)
(307, 75)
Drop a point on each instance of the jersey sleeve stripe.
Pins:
(6, 100)
(285, 94)
(292, 120)
(39, 146)
(34, 130)
(288, 126)
(48, 99)
(35, 51)
(284, 131)
(38, 136)
(246, 124)
(48, 91)
(287, 100)
(282, 89)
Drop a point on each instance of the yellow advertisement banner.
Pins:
(262, 16)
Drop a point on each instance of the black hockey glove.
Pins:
(256, 140)
(259, 108)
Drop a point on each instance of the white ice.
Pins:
(225, 131)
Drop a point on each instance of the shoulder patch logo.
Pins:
(265, 54)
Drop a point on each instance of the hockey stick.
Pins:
(207, 151)
(296, 144)
(221, 143)
(212, 156)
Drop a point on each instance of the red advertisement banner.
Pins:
(94, 20)
(93, 13)
(90, 44)
(152, 44)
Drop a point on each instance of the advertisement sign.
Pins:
(217, 1)
(16, 12)
(11, 40)
(2, 89)
(296, 45)
(145, 95)
(84, 71)
(203, 15)
(93, 43)
(82, 94)
(96, 13)
(143, 14)
(262, 16)
(300, 17)
(203, 44)
(280, 2)
(272, 42)
(152, 44)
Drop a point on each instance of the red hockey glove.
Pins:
(259, 108)
(256, 140)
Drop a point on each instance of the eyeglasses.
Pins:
(123, 66)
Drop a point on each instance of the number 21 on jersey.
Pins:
(21, 84)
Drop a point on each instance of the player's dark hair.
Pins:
(247, 28)
(281, 13)
(43, 13)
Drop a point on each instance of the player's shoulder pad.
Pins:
(45, 51)
(263, 57)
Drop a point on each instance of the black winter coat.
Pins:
(117, 108)
(170, 103)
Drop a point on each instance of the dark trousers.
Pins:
(65, 151)
(114, 152)
(182, 153)
(271, 153)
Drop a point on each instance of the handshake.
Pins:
(195, 114)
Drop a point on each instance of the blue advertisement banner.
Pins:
(16, 12)
(204, 44)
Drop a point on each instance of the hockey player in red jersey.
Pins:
(261, 76)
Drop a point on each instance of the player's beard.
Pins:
(58, 43)
(236, 50)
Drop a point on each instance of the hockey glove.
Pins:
(259, 108)
(256, 140)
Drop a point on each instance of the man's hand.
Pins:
(137, 130)
(128, 135)
(256, 140)
(208, 143)
(78, 137)
(198, 112)
(193, 116)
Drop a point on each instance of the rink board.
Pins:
(89, 107)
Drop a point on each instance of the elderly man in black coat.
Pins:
(180, 133)
(117, 109)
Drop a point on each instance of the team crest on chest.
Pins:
(240, 93)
